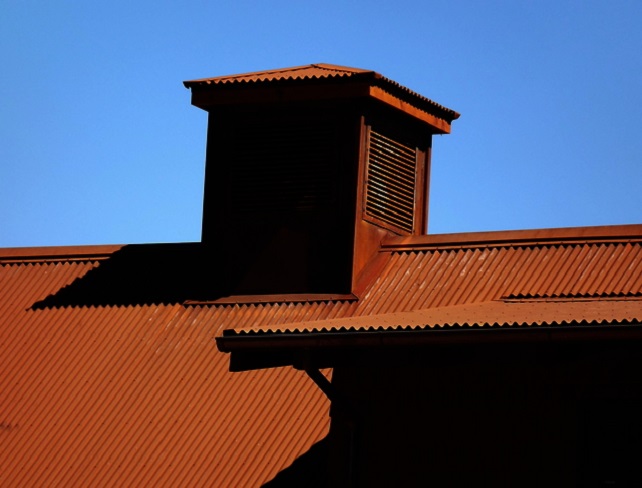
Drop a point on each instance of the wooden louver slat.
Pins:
(391, 180)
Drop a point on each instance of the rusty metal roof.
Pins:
(496, 322)
(442, 270)
(581, 275)
(324, 72)
(138, 394)
(501, 313)
(310, 71)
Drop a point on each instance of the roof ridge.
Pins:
(239, 77)
(338, 67)
(324, 71)
(17, 255)
(518, 238)
(569, 297)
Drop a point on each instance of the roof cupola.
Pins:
(307, 169)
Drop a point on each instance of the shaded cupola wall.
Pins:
(307, 170)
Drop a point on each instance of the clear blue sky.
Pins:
(99, 142)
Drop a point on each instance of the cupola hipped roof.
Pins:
(328, 81)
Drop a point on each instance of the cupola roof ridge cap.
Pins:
(266, 75)
(339, 67)
(324, 71)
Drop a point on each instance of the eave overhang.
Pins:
(318, 82)
(327, 349)
(324, 343)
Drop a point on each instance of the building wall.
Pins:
(504, 416)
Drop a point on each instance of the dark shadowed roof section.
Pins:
(140, 274)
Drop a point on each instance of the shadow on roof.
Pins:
(309, 469)
(142, 274)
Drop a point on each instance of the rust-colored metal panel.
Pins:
(606, 233)
(311, 71)
(500, 313)
(134, 394)
(569, 267)
(138, 395)
(362, 83)
(441, 274)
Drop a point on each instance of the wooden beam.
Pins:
(379, 94)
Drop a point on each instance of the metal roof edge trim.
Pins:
(114, 305)
(232, 342)
(563, 235)
(264, 299)
(392, 87)
(567, 297)
(13, 255)
(387, 84)
(239, 77)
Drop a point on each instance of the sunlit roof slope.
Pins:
(136, 394)
(572, 277)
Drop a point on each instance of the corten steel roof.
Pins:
(310, 71)
(137, 395)
(322, 72)
(132, 392)
(497, 314)
(589, 275)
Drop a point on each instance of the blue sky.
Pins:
(100, 143)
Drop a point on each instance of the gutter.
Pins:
(232, 341)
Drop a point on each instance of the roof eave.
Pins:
(268, 86)
(324, 349)
(57, 253)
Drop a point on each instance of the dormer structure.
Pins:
(307, 170)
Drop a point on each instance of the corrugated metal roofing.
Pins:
(430, 277)
(310, 71)
(318, 71)
(139, 395)
(530, 313)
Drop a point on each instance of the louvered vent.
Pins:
(390, 184)
(282, 167)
